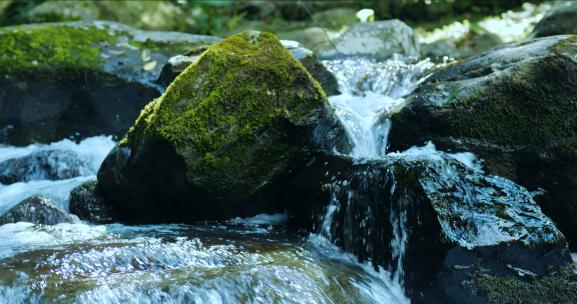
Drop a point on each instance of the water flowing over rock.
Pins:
(37, 210)
(379, 40)
(430, 221)
(80, 79)
(514, 107)
(560, 20)
(232, 127)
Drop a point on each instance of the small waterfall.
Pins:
(371, 92)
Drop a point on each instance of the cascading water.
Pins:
(371, 92)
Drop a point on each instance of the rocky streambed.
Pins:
(233, 177)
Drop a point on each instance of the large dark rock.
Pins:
(44, 164)
(230, 129)
(37, 210)
(80, 79)
(516, 108)
(88, 203)
(435, 224)
(560, 20)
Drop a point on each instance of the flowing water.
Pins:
(253, 260)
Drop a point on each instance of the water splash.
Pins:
(371, 91)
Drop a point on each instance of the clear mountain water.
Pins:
(253, 260)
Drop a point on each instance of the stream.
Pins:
(243, 260)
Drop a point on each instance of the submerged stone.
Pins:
(60, 80)
(515, 107)
(431, 221)
(227, 132)
(378, 40)
(37, 210)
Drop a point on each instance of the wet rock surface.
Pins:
(87, 202)
(524, 129)
(431, 221)
(97, 75)
(37, 210)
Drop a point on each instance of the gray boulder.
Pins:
(379, 40)
(87, 202)
(37, 210)
(436, 224)
(44, 164)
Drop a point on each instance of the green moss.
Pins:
(30, 48)
(225, 113)
(557, 287)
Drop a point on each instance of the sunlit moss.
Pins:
(51, 47)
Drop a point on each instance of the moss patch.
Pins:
(31, 48)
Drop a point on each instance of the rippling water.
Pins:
(209, 263)
(243, 260)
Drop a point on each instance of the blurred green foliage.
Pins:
(224, 17)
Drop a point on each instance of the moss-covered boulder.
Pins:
(432, 221)
(378, 40)
(149, 15)
(230, 129)
(560, 20)
(515, 107)
(81, 78)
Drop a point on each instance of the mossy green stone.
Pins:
(226, 113)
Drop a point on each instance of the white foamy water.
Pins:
(90, 151)
(371, 91)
